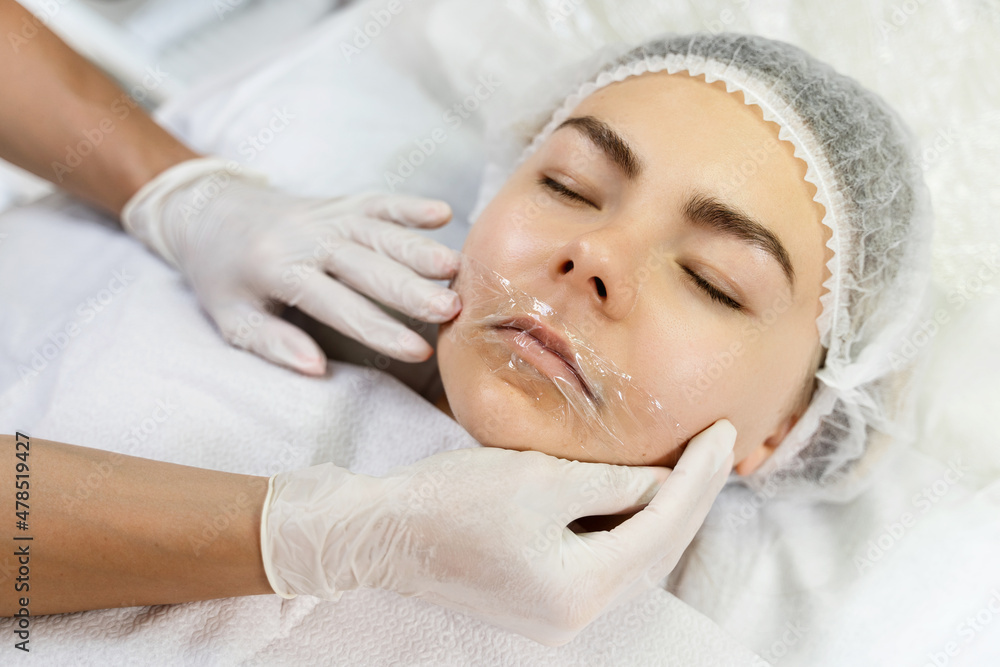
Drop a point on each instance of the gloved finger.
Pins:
(339, 307)
(406, 210)
(425, 256)
(674, 515)
(270, 337)
(393, 284)
(598, 488)
(683, 538)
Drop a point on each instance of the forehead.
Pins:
(694, 136)
(681, 124)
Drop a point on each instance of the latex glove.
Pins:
(484, 531)
(247, 249)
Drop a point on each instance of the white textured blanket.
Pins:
(118, 356)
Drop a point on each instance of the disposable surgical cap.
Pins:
(861, 159)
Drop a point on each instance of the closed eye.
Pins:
(562, 191)
(713, 292)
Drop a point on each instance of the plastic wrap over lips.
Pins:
(526, 344)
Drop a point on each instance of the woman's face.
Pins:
(666, 220)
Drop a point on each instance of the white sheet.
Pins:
(226, 409)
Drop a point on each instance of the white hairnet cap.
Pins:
(862, 161)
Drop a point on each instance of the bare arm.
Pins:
(53, 99)
(111, 531)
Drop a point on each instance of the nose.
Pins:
(591, 270)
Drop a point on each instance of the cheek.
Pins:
(749, 374)
(510, 253)
(509, 236)
(690, 372)
(462, 377)
(480, 406)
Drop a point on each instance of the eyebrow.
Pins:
(713, 214)
(614, 147)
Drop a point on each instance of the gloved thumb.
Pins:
(669, 522)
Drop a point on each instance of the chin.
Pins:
(509, 411)
(500, 415)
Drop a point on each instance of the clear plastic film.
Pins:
(525, 343)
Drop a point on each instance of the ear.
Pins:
(754, 459)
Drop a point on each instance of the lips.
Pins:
(544, 349)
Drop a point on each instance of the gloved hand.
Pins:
(247, 249)
(484, 531)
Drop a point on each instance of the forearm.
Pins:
(111, 531)
(54, 102)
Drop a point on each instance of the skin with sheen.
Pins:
(667, 220)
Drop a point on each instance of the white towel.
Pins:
(150, 347)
